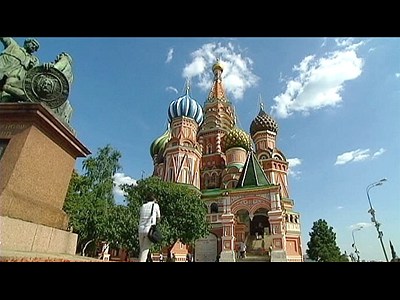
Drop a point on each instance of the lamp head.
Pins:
(380, 182)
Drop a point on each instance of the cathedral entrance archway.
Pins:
(259, 225)
(242, 226)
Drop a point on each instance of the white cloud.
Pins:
(397, 75)
(119, 179)
(171, 88)
(237, 69)
(361, 155)
(294, 162)
(357, 155)
(379, 152)
(319, 81)
(339, 207)
(348, 43)
(343, 42)
(169, 55)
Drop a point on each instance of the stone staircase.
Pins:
(257, 250)
(254, 258)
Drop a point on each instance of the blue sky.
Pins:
(336, 101)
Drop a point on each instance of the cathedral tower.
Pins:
(176, 154)
(219, 119)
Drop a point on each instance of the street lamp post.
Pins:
(373, 218)
(354, 243)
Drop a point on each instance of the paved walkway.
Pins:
(23, 256)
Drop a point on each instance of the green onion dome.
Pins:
(158, 145)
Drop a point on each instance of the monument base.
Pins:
(21, 235)
(37, 157)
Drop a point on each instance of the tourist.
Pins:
(149, 215)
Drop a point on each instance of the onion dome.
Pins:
(158, 145)
(217, 66)
(237, 137)
(185, 106)
(263, 122)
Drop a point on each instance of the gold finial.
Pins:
(218, 65)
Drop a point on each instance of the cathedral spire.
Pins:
(217, 92)
(187, 86)
(261, 103)
(252, 174)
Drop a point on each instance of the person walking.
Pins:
(242, 249)
(149, 214)
(149, 257)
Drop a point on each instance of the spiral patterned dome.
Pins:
(262, 122)
(237, 137)
(158, 145)
(186, 106)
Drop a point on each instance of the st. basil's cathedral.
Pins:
(242, 177)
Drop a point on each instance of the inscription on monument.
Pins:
(8, 130)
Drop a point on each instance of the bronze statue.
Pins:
(23, 79)
(63, 63)
(15, 61)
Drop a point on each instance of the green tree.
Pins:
(322, 246)
(90, 201)
(183, 212)
(122, 231)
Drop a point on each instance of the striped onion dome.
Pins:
(158, 145)
(263, 122)
(237, 137)
(185, 106)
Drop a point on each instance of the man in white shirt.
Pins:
(147, 218)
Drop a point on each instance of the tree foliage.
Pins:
(183, 212)
(122, 232)
(95, 216)
(322, 246)
(90, 199)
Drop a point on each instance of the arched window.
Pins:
(206, 180)
(209, 149)
(214, 208)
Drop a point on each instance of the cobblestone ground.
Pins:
(38, 259)
(21, 256)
